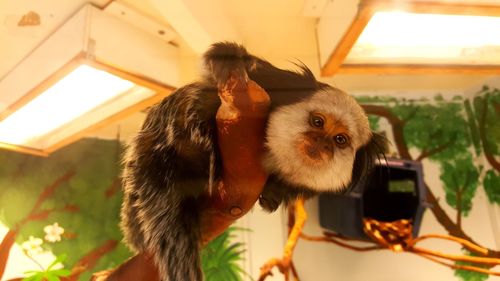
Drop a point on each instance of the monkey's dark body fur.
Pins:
(174, 159)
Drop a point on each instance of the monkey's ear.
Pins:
(224, 59)
(367, 156)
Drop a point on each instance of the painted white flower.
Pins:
(53, 232)
(33, 246)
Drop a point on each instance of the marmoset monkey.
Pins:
(318, 139)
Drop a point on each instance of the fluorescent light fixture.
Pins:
(81, 79)
(75, 95)
(414, 36)
(399, 37)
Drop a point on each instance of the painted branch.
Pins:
(396, 124)
(438, 212)
(114, 188)
(459, 207)
(427, 153)
(7, 243)
(90, 259)
(51, 188)
(35, 214)
(241, 121)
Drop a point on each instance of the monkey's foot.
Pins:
(282, 264)
(285, 264)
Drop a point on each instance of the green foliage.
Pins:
(80, 205)
(447, 132)
(376, 99)
(460, 179)
(491, 185)
(487, 113)
(93, 215)
(374, 122)
(439, 128)
(467, 275)
(473, 128)
(220, 258)
(48, 274)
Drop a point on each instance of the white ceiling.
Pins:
(276, 30)
(18, 41)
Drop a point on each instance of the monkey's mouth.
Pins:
(315, 150)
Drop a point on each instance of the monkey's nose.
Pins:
(325, 143)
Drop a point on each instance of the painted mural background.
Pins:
(63, 213)
(68, 204)
(460, 135)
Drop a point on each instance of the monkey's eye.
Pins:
(317, 121)
(341, 140)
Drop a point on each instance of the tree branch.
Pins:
(496, 105)
(50, 189)
(34, 214)
(428, 153)
(88, 261)
(438, 212)
(396, 124)
(284, 264)
(8, 240)
(113, 188)
(457, 267)
(452, 228)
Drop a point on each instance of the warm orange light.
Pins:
(423, 38)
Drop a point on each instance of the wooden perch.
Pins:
(241, 121)
(284, 264)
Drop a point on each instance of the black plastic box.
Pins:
(394, 190)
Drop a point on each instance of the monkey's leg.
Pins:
(284, 264)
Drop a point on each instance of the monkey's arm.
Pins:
(243, 178)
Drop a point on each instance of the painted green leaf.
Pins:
(51, 277)
(374, 122)
(460, 178)
(474, 130)
(491, 185)
(467, 275)
(61, 272)
(438, 131)
(81, 201)
(487, 114)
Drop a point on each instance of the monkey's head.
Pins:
(314, 143)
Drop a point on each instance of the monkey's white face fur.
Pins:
(313, 143)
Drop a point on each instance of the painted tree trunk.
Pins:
(7, 243)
